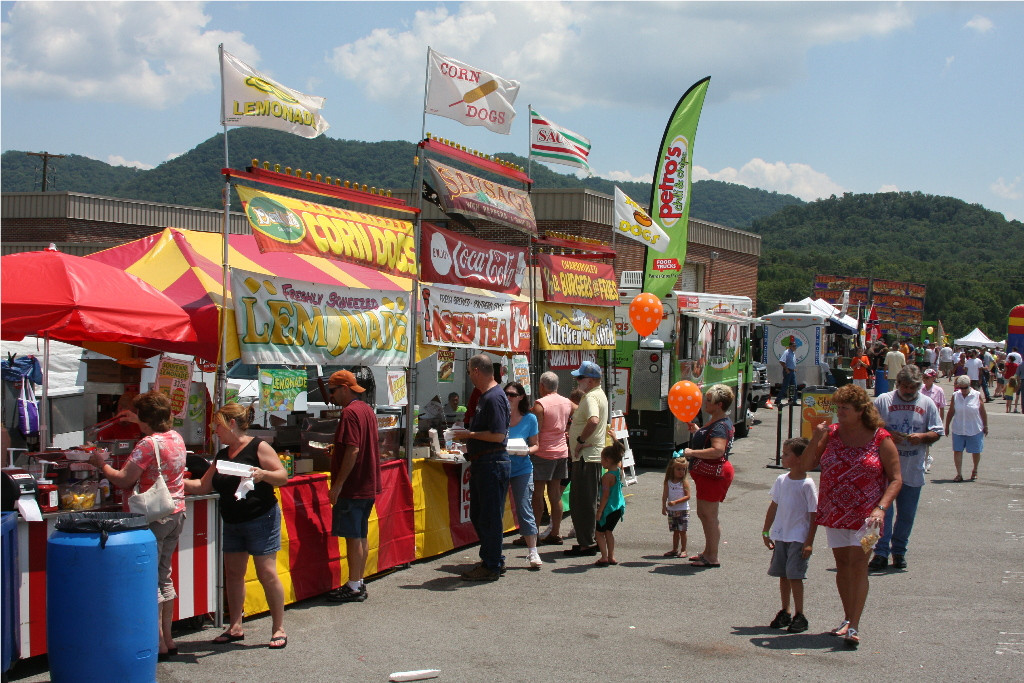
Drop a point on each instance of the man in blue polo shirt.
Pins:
(788, 362)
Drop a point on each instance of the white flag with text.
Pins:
(252, 99)
(633, 222)
(456, 90)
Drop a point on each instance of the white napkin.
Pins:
(244, 487)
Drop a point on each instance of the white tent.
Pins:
(976, 338)
(833, 314)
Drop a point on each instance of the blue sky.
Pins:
(806, 98)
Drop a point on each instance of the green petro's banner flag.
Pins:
(670, 193)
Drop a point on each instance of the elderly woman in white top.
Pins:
(970, 424)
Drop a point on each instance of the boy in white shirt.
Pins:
(789, 528)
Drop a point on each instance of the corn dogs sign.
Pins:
(466, 194)
(301, 227)
(284, 321)
(473, 97)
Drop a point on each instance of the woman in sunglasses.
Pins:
(523, 425)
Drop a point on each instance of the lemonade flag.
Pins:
(670, 193)
(279, 387)
(252, 99)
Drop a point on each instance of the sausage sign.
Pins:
(472, 97)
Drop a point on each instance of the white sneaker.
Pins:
(535, 561)
(928, 463)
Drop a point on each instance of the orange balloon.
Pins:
(645, 313)
(684, 400)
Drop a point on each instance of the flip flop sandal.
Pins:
(278, 642)
(974, 475)
(672, 553)
(694, 558)
(852, 640)
(703, 562)
(958, 478)
(841, 629)
(227, 637)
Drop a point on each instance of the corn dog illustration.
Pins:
(478, 92)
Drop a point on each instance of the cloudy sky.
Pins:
(806, 98)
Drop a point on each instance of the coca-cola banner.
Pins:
(575, 328)
(453, 317)
(571, 281)
(456, 259)
(469, 195)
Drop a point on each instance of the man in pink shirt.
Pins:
(933, 391)
(550, 462)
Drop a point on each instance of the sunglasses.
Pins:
(512, 394)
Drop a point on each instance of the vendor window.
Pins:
(719, 332)
(687, 337)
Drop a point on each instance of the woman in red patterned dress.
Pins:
(860, 477)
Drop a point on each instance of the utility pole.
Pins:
(46, 160)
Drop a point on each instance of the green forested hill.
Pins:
(194, 179)
(969, 258)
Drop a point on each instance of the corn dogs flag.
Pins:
(551, 142)
(251, 99)
(670, 191)
(633, 222)
(456, 90)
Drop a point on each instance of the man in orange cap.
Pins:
(355, 479)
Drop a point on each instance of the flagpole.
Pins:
(221, 381)
(529, 142)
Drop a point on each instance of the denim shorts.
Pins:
(260, 536)
(972, 444)
(352, 517)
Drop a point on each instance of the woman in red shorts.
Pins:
(710, 468)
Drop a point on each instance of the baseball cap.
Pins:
(587, 369)
(344, 378)
(930, 372)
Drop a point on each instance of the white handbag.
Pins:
(156, 501)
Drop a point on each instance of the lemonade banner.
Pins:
(571, 281)
(454, 317)
(301, 227)
(279, 387)
(398, 388)
(454, 259)
(290, 322)
(573, 328)
(174, 379)
(469, 195)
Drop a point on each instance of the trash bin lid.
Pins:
(92, 522)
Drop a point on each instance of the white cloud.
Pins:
(570, 55)
(888, 188)
(799, 180)
(980, 24)
(627, 177)
(151, 54)
(173, 155)
(1007, 190)
(115, 160)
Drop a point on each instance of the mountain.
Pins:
(194, 179)
(969, 258)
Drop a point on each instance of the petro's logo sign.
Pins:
(672, 183)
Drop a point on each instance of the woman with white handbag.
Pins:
(156, 470)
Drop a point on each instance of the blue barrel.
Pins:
(101, 599)
(881, 383)
(10, 600)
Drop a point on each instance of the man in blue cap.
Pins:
(586, 440)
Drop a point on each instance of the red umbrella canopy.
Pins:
(75, 299)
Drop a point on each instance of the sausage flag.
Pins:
(552, 143)
(633, 222)
(670, 191)
(251, 99)
(456, 90)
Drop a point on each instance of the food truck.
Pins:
(815, 326)
(703, 338)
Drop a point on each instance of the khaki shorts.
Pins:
(167, 531)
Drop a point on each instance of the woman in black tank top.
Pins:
(252, 525)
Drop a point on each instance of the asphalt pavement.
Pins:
(956, 612)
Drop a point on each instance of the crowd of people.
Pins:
(872, 462)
